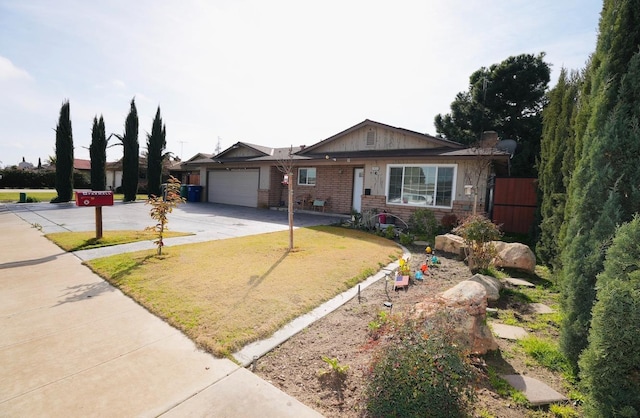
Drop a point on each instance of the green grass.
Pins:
(75, 241)
(545, 352)
(45, 195)
(225, 294)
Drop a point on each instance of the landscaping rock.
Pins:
(491, 285)
(450, 243)
(536, 392)
(540, 308)
(518, 282)
(466, 303)
(514, 255)
(509, 332)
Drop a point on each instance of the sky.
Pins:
(273, 73)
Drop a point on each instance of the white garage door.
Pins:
(234, 187)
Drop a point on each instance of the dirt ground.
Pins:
(294, 366)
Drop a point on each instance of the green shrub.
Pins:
(448, 222)
(423, 222)
(419, 372)
(609, 365)
(390, 232)
(406, 239)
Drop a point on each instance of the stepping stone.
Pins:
(519, 282)
(508, 332)
(536, 392)
(540, 308)
(421, 243)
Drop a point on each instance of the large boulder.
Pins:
(450, 243)
(514, 255)
(465, 305)
(491, 285)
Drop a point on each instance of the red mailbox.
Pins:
(94, 198)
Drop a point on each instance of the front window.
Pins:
(421, 185)
(307, 176)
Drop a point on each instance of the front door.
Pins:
(358, 189)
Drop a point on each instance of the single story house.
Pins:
(114, 172)
(369, 166)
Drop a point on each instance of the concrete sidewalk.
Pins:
(72, 345)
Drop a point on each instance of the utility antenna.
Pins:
(182, 148)
(218, 146)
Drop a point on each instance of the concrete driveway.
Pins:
(207, 221)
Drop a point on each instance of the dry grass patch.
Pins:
(226, 294)
(75, 241)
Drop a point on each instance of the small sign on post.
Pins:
(97, 199)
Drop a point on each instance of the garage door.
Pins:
(234, 187)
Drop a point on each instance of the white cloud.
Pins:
(9, 72)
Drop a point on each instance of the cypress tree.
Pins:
(98, 154)
(130, 159)
(603, 190)
(609, 365)
(156, 144)
(64, 156)
(556, 143)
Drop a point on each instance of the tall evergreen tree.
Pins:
(508, 98)
(131, 155)
(603, 189)
(64, 156)
(156, 144)
(557, 141)
(98, 155)
(609, 365)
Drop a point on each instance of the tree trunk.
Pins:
(290, 186)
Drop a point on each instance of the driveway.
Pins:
(207, 221)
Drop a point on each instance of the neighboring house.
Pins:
(185, 172)
(114, 173)
(370, 166)
(82, 167)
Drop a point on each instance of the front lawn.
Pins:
(76, 241)
(225, 294)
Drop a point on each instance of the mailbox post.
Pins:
(97, 199)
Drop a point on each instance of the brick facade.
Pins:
(461, 209)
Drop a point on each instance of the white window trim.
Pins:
(307, 184)
(453, 185)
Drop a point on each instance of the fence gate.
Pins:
(514, 204)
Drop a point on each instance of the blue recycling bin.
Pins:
(193, 193)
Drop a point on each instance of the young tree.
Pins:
(162, 206)
(130, 159)
(156, 143)
(64, 156)
(98, 154)
(609, 366)
(603, 189)
(286, 166)
(507, 98)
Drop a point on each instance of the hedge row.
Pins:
(38, 179)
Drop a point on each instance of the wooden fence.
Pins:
(514, 204)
